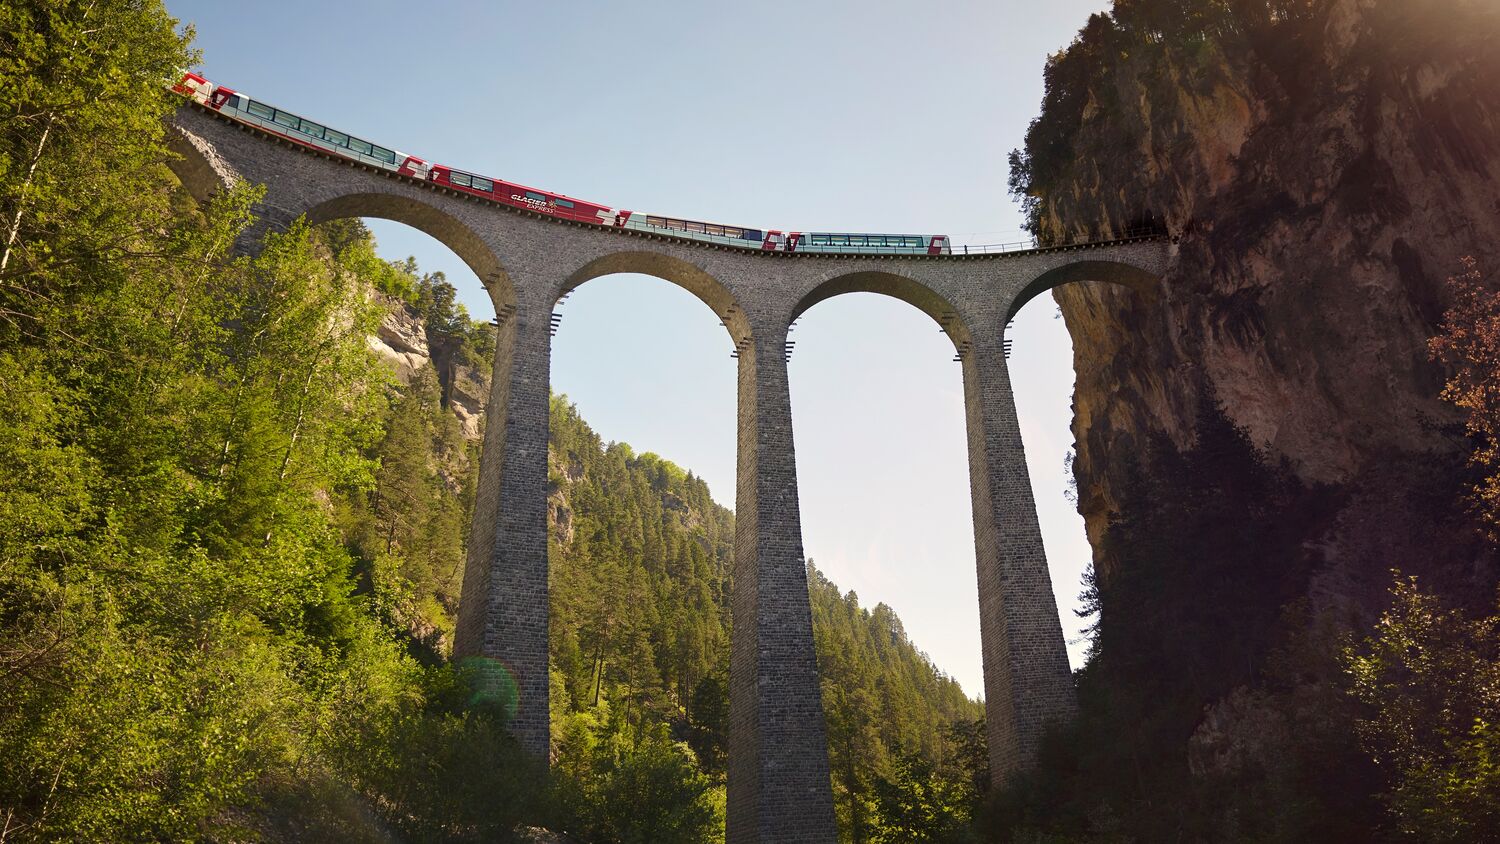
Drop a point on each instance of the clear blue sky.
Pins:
(832, 116)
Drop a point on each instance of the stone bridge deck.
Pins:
(779, 789)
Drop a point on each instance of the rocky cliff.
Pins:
(402, 341)
(1326, 165)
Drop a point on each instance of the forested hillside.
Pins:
(641, 557)
(232, 533)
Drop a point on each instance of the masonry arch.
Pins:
(688, 276)
(880, 431)
(896, 286)
(1044, 368)
(430, 220)
(1142, 281)
(638, 350)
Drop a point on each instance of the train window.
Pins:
(336, 138)
(260, 110)
(675, 224)
(533, 195)
(856, 240)
(753, 234)
(362, 147)
(914, 241)
(291, 121)
(313, 129)
(384, 154)
(693, 227)
(564, 203)
(483, 184)
(659, 222)
(460, 179)
(733, 232)
(820, 240)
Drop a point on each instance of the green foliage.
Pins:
(892, 718)
(231, 545)
(1429, 678)
(409, 531)
(354, 248)
(1165, 49)
(643, 790)
(640, 557)
(917, 804)
(183, 651)
(81, 108)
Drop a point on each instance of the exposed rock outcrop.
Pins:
(1324, 185)
(402, 341)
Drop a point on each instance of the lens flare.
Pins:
(492, 686)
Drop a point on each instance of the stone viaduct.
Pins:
(779, 788)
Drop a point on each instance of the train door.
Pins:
(219, 97)
(414, 166)
(792, 240)
(775, 242)
(193, 86)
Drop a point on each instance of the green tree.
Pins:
(646, 792)
(1429, 677)
(916, 804)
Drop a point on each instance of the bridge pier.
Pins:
(504, 617)
(1027, 682)
(779, 788)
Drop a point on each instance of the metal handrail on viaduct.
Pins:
(779, 788)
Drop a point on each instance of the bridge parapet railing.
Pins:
(804, 248)
(1035, 245)
(636, 223)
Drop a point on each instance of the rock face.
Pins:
(466, 390)
(1324, 186)
(401, 339)
(402, 342)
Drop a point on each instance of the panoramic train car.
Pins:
(299, 130)
(521, 196)
(874, 244)
(277, 121)
(729, 235)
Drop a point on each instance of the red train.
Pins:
(299, 130)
